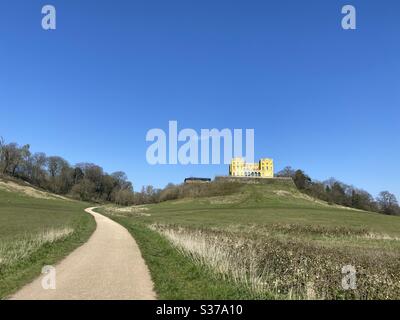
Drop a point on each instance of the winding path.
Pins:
(109, 266)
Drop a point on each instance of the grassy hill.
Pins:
(36, 229)
(266, 241)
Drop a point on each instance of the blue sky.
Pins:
(319, 98)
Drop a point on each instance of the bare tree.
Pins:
(388, 203)
(12, 157)
(60, 174)
(288, 172)
(37, 166)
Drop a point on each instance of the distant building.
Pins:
(263, 169)
(197, 180)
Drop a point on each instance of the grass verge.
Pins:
(37, 232)
(174, 275)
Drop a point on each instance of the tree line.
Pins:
(89, 182)
(83, 181)
(337, 192)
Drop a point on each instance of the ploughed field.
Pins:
(264, 241)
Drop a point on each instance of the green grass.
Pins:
(23, 219)
(257, 204)
(176, 277)
(288, 230)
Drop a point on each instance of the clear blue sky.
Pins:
(319, 98)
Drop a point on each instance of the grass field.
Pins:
(37, 230)
(264, 242)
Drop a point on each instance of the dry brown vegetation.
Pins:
(130, 211)
(291, 268)
(28, 190)
(21, 249)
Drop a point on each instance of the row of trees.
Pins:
(334, 191)
(83, 181)
(88, 182)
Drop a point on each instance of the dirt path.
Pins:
(108, 266)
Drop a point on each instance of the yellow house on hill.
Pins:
(263, 169)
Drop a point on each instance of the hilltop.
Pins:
(240, 240)
(231, 240)
(268, 201)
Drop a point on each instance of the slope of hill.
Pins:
(36, 229)
(265, 241)
(18, 186)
